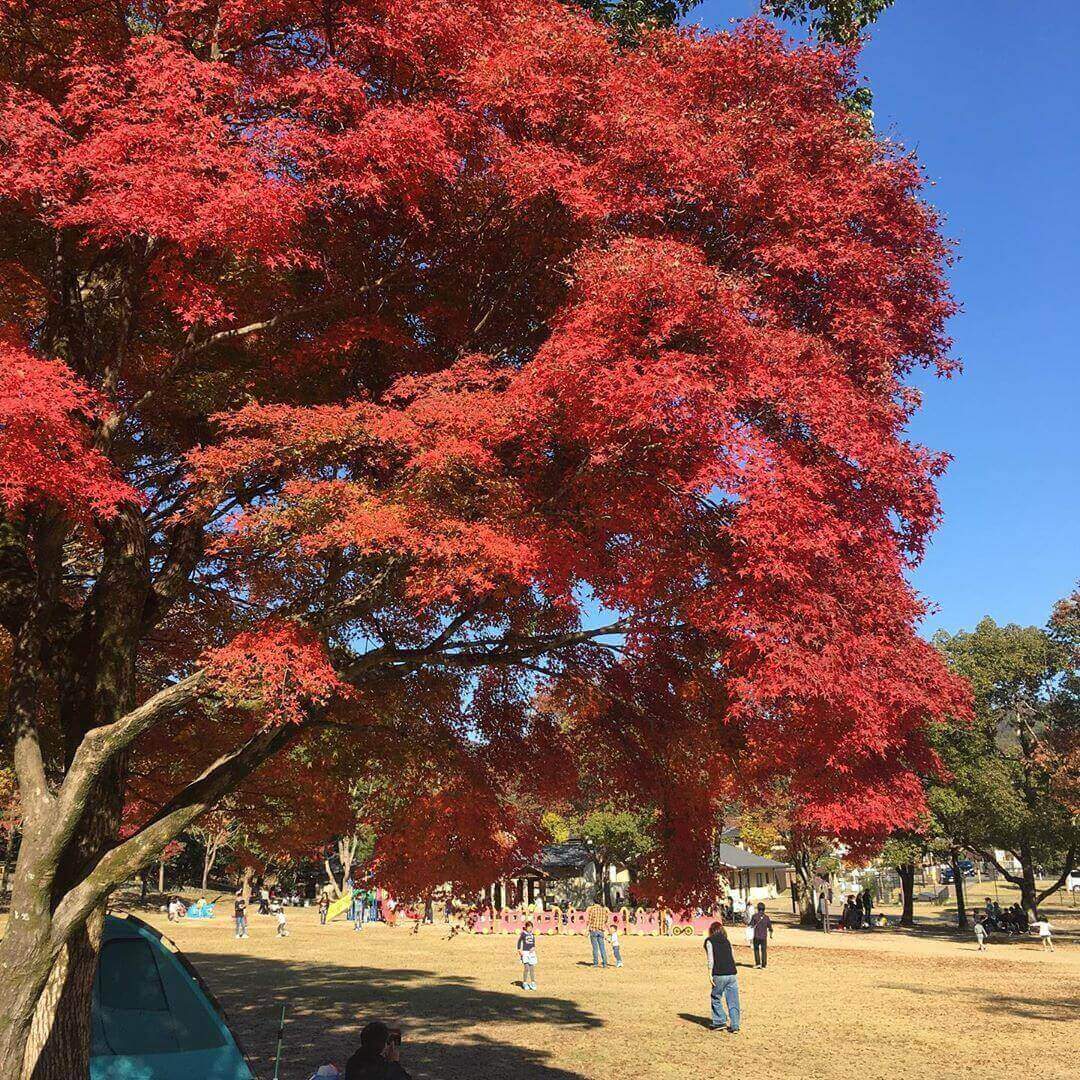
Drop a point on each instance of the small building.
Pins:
(749, 876)
(565, 875)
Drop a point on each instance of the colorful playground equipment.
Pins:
(339, 906)
(639, 921)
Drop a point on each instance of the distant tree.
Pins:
(840, 21)
(214, 832)
(619, 838)
(903, 852)
(777, 827)
(1009, 789)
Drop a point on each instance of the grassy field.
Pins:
(845, 1007)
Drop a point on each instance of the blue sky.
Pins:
(988, 93)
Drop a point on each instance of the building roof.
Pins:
(735, 858)
(572, 855)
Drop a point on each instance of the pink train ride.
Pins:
(572, 921)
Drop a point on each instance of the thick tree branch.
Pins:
(101, 744)
(137, 852)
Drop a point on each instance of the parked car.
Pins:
(1072, 882)
(967, 869)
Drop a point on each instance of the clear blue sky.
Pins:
(988, 93)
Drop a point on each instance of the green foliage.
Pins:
(902, 850)
(620, 836)
(841, 21)
(629, 17)
(1002, 789)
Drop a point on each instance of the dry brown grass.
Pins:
(848, 1007)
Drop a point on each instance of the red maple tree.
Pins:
(447, 380)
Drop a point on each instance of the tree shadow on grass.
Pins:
(1066, 1010)
(327, 1005)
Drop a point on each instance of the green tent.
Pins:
(153, 1018)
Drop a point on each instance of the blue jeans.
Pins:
(615, 952)
(725, 988)
(241, 925)
(599, 950)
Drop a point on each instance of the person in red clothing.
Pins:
(762, 928)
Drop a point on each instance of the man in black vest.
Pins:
(725, 982)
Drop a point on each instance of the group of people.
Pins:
(1011, 920)
(856, 914)
(857, 911)
(272, 906)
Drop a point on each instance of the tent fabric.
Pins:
(152, 1018)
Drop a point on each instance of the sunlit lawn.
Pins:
(851, 1007)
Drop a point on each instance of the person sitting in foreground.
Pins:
(379, 1055)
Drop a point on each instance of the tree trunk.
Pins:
(962, 921)
(161, 877)
(1029, 894)
(807, 913)
(330, 879)
(907, 886)
(60, 1036)
(245, 885)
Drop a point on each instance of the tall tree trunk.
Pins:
(962, 921)
(907, 886)
(161, 877)
(245, 885)
(330, 879)
(805, 871)
(1029, 893)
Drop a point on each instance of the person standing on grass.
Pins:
(240, 915)
(1045, 932)
(613, 938)
(597, 918)
(526, 946)
(324, 907)
(823, 909)
(763, 930)
(980, 932)
(725, 980)
(867, 904)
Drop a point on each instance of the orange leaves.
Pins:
(46, 451)
(280, 669)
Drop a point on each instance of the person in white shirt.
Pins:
(1045, 934)
(613, 939)
(980, 933)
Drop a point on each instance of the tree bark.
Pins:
(907, 885)
(59, 1043)
(962, 921)
(805, 872)
(161, 877)
(1029, 893)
